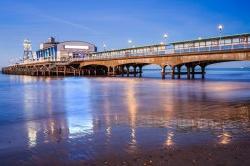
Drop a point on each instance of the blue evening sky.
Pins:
(115, 21)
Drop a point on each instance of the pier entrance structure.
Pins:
(130, 61)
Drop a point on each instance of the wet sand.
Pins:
(206, 155)
(234, 154)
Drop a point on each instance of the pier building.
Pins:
(64, 51)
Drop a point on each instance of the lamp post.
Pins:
(165, 36)
(104, 47)
(220, 28)
(129, 43)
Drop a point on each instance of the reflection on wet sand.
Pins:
(132, 109)
(90, 117)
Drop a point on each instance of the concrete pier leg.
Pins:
(193, 72)
(179, 72)
(135, 70)
(89, 72)
(140, 71)
(163, 72)
(188, 72)
(122, 70)
(173, 72)
(113, 71)
(203, 71)
(127, 70)
(56, 71)
(64, 72)
(108, 71)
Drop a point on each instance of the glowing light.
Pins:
(130, 41)
(76, 47)
(220, 27)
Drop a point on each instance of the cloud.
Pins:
(67, 22)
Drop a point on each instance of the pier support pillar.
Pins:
(108, 71)
(127, 67)
(140, 71)
(122, 70)
(113, 71)
(64, 71)
(95, 71)
(188, 72)
(203, 71)
(163, 72)
(89, 72)
(134, 70)
(173, 72)
(193, 71)
(56, 71)
(179, 72)
(74, 72)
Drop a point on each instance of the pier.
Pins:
(130, 61)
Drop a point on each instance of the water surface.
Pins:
(77, 118)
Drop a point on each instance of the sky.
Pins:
(114, 22)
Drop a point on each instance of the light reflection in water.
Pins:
(79, 120)
(170, 140)
(32, 134)
(225, 138)
(132, 109)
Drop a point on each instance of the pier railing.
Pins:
(170, 51)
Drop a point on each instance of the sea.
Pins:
(83, 118)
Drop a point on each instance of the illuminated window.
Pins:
(236, 40)
(208, 43)
(202, 44)
(228, 41)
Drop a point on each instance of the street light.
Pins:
(165, 36)
(104, 47)
(220, 27)
(130, 42)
